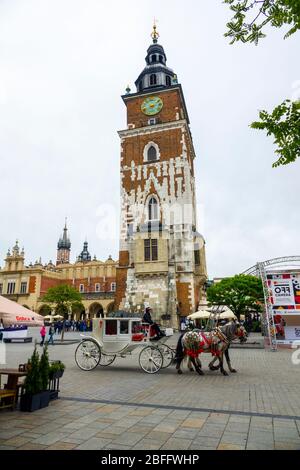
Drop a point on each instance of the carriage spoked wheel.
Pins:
(168, 355)
(87, 355)
(106, 360)
(151, 359)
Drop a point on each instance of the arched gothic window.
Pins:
(153, 79)
(152, 154)
(153, 209)
(168, 80)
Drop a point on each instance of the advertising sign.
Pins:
(284, 292)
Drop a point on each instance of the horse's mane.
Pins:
(229, 329)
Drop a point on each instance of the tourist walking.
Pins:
(43, 334)
(51, 334)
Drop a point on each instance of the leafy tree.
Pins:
(248, 25)
(63, 297)
(240, 293)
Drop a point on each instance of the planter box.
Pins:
(53, 394)
(34, 402)
(30, 402)
(45, 398)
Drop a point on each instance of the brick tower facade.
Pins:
(162, 256)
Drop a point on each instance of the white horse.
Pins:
(216, 342)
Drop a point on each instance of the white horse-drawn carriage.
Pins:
(120, 337)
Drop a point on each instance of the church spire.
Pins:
(156, 75)
(63, 247)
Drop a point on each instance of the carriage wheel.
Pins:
(87, 355)
(168, 355)
(151, 359)
(106, 360)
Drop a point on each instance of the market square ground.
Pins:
(121, 407)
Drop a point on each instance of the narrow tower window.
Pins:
(152, 154)
(153, 79)
(168, 80)
(161, 59)
(154, 58)
(153, 209)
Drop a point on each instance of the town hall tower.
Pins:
(162, 255)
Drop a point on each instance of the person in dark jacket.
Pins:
(148, 319)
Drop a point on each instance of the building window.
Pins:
(161, 59)
(153, 209)
(23, 288)
(11, 287)
(113, 287)
(153, 79)
(150, 250)
(97, 287)
(81, 287)
(168, 80)
(1, 288)
(154, 58)
(152, 121)
(152, 154)
(197, 257)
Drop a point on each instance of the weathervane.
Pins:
(155, 34)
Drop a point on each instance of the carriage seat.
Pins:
(138, 337)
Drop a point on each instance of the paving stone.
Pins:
(32, 446)
(84, 433)
(185, 433)
(176, 444)
(17, 441)
(128, 438)
(193, 423)
(159, 436)
(229, 446)
(206, 441)
(286, 445)
(51, 438)
(62, 446)
(148, 444)
(94, 443)
(252, 445)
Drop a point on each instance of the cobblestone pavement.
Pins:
(121, 407)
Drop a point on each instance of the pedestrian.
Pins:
(43, 334)
(1, 328)
(51, 333)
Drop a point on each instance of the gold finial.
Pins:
(155, 34)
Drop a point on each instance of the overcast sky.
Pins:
(64, 65)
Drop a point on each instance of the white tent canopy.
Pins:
(220, 313)
(14, 314)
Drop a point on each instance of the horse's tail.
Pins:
(179, 349)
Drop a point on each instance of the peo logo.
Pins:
(296, 354)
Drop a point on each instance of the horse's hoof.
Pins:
(200, 372)
(233, 371)
(179, 372)
(224, 373)
(213, 367)
(191, 370)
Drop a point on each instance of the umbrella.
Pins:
(58, 317)
(222, 313)
(201, 314)
(48, 317)
(14, 314)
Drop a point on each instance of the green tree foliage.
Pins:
(248, 24)
(63, 297)
(240, 293)
(284, 124)
(252, 16)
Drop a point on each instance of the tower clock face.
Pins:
(152, 105)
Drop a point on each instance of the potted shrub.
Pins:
(56, 371)
(44, 372)
(31, 399)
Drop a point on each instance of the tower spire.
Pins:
(155, 34)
